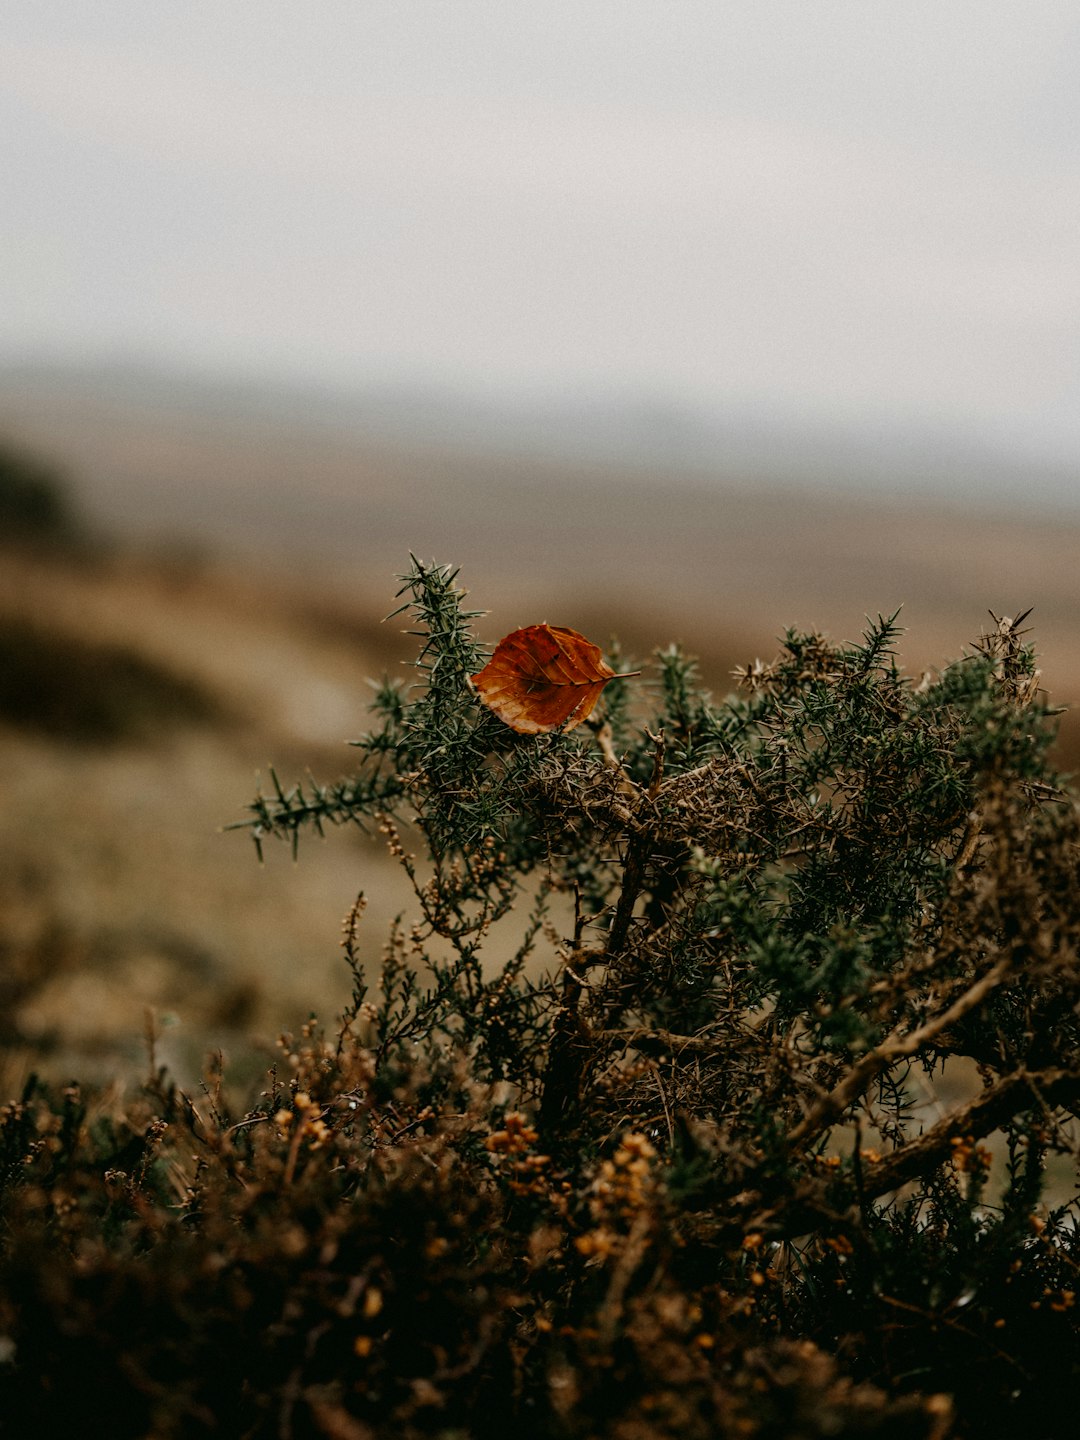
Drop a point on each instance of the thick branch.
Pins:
(809, 1207)
(987, 1112)
(895, 1047)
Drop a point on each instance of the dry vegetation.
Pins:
(755, 1117)
(673, 1181)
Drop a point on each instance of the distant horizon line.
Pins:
(621, 424)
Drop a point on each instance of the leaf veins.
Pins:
(544, 677)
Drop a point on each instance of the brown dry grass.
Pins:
(121, 894)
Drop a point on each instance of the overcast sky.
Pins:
(846, 212)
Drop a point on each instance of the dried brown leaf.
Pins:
(543, 677)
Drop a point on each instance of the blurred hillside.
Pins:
(235, 562)
(723, 557)
(119, 892)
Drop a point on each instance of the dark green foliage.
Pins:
(629, 1130)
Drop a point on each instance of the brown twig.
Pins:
(895, 1047)
(987, 1112)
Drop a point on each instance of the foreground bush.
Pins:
(633, 1134)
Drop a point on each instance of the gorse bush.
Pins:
(631, 1128)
